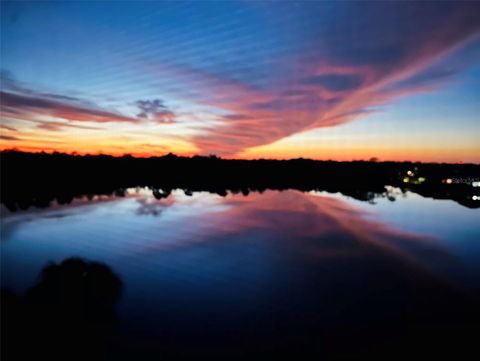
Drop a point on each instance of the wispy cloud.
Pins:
(6, 127)
(8, 137)
(340, 82)
(27, 106)
(21, 102)
(59, 126)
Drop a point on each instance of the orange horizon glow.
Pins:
(345, 155)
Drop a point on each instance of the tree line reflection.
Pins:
(37, 179)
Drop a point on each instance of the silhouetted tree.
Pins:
(67, 315)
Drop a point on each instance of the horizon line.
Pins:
(214, 156)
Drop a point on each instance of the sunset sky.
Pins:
(246, 79)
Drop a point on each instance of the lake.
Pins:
(286, 273)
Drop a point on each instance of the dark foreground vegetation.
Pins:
(70, 314)
(36, 179)
(67, 315)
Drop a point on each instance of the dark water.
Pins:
(285, 273)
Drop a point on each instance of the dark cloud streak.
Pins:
(8, 137)
(6, 127)
(155, 110)
(26, 106)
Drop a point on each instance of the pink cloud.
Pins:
(331, 91)
(30, 106)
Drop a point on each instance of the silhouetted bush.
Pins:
(67, 315)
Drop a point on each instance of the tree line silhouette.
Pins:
(36, 179)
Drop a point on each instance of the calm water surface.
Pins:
(206, 271)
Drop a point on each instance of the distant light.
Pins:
(405, 180)
(410, 173)
(475, 184)
(449, 181)
(421, 179)
(476, 198)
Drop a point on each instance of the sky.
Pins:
(243, 79)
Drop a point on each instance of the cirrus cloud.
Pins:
(28, 106)
(340, 80)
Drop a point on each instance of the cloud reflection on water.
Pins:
(247, 271)
(313, 224)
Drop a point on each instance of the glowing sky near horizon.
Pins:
(324, 80)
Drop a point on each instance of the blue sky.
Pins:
(336, 80)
